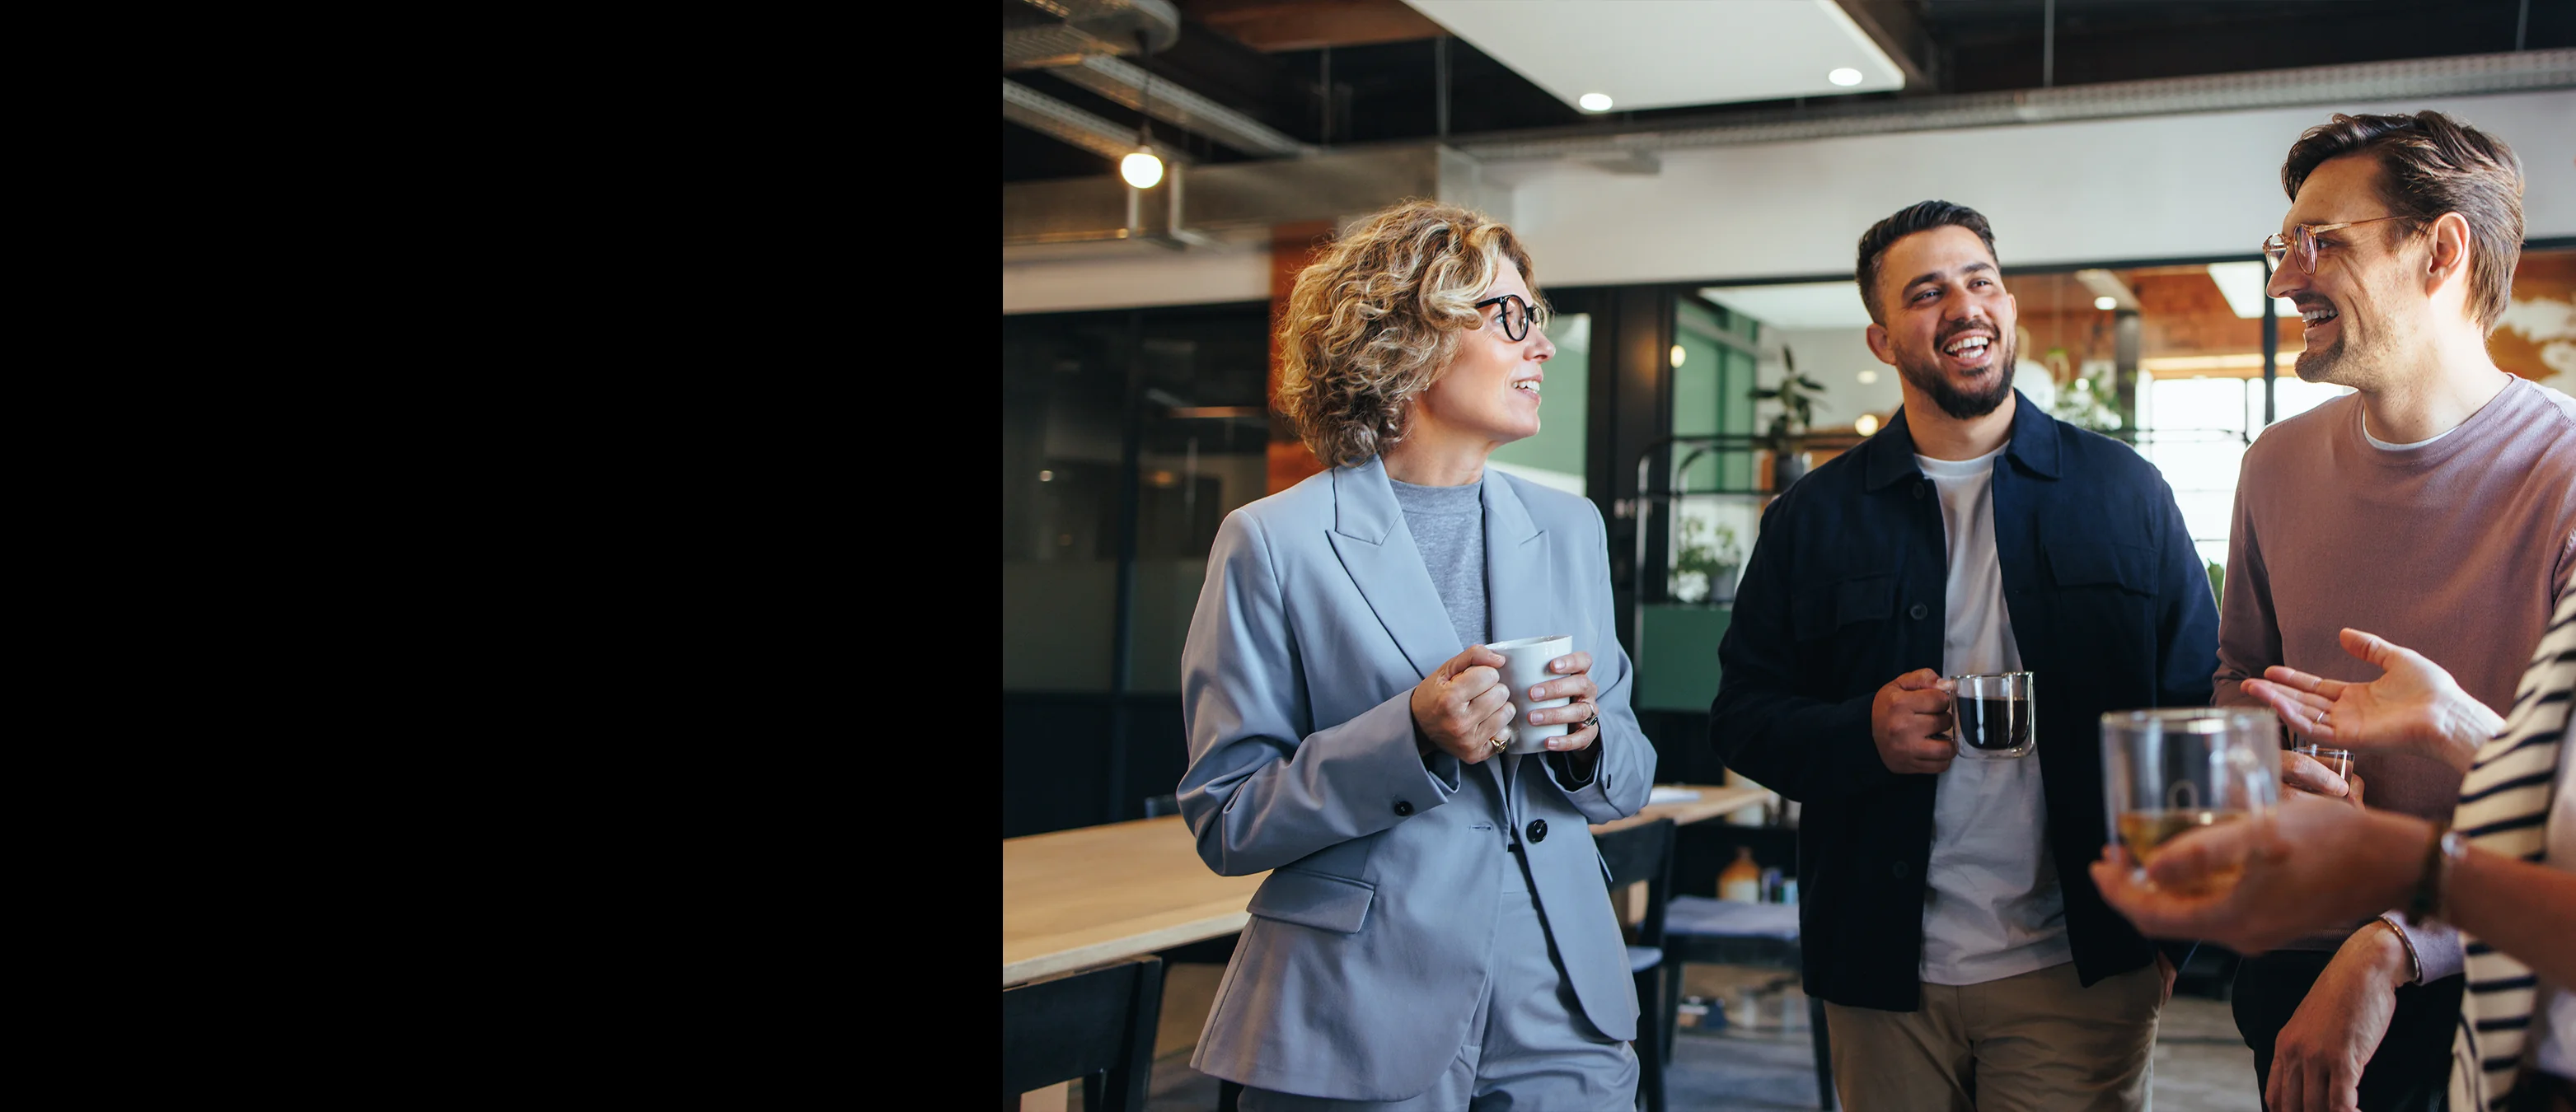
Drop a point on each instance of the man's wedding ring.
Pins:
(1502, 739)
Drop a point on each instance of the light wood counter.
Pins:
(1090, 896)
(1079, 898)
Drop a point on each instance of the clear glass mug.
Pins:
(1993, 716)
(2168, 772)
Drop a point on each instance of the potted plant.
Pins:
(1704, 569)
(1797, 397)
(2085, 402)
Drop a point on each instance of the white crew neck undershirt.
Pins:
(1993, 908)
(2385, 446)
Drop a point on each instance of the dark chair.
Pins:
(1097, 1026)
(1723, 932)
(1644, 854)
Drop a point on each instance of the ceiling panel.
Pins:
(1796, 305)
(1669, 53)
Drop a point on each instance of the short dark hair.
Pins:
(2431, 164)
(1922, 216)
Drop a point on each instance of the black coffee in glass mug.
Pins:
(1993, 715)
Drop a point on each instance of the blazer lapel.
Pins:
(1520, 596)
(1375, 547)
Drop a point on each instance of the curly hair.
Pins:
(2431, 164)
(1375, 321)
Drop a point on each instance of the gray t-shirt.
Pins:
(1448, 525)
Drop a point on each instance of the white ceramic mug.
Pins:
(1524, 667)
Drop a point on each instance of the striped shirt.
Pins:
(2506, 807)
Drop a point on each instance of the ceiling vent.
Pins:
(1063, 32)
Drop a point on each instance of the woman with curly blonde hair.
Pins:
(1434, 932)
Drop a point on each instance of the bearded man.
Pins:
(1948, 920)
(2435, 506)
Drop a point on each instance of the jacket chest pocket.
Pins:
(2089, 562)
(1817, 612)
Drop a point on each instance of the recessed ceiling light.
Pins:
(1868, 377)
(1845, 76)
(2106, 304)
(1595, 102)
(1679, 355)
(1866, 425)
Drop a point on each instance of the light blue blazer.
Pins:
(1369, 941)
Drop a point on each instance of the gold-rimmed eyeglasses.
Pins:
(1517, 315)
(2300, 245)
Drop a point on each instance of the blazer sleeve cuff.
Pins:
(1577, 770)
(1389, 762)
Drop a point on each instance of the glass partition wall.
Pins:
(1127, 436)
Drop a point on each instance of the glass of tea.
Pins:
(2168, 772)
(1991, 715)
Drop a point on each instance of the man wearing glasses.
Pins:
(2435, 506)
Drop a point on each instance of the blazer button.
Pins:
(1917, 611)
(1403, 808)
(1538, 830)
(1918, 489)
(1900, 869)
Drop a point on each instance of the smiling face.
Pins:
(1948, 326)
(2360, 317)
(1489, 393)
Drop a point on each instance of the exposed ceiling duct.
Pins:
(1063, 122)
(2466, 75)
(1122, 82)
(1063, 32)
(1243, 199)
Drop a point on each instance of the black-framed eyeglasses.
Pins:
(2301, 245)
(1517, 315)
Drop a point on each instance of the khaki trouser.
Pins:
(2036, 1041)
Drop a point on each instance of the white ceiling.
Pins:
(1667, 53)
(1797, 305)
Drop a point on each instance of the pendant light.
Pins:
(1143, 168)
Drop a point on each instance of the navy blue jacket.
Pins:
(2110, 606)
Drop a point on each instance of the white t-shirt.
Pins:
(1994, 909)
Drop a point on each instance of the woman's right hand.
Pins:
(2414, 704)
(1463, 705)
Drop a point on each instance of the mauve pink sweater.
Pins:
(2457, 550)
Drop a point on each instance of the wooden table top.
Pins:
(1078, 898)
